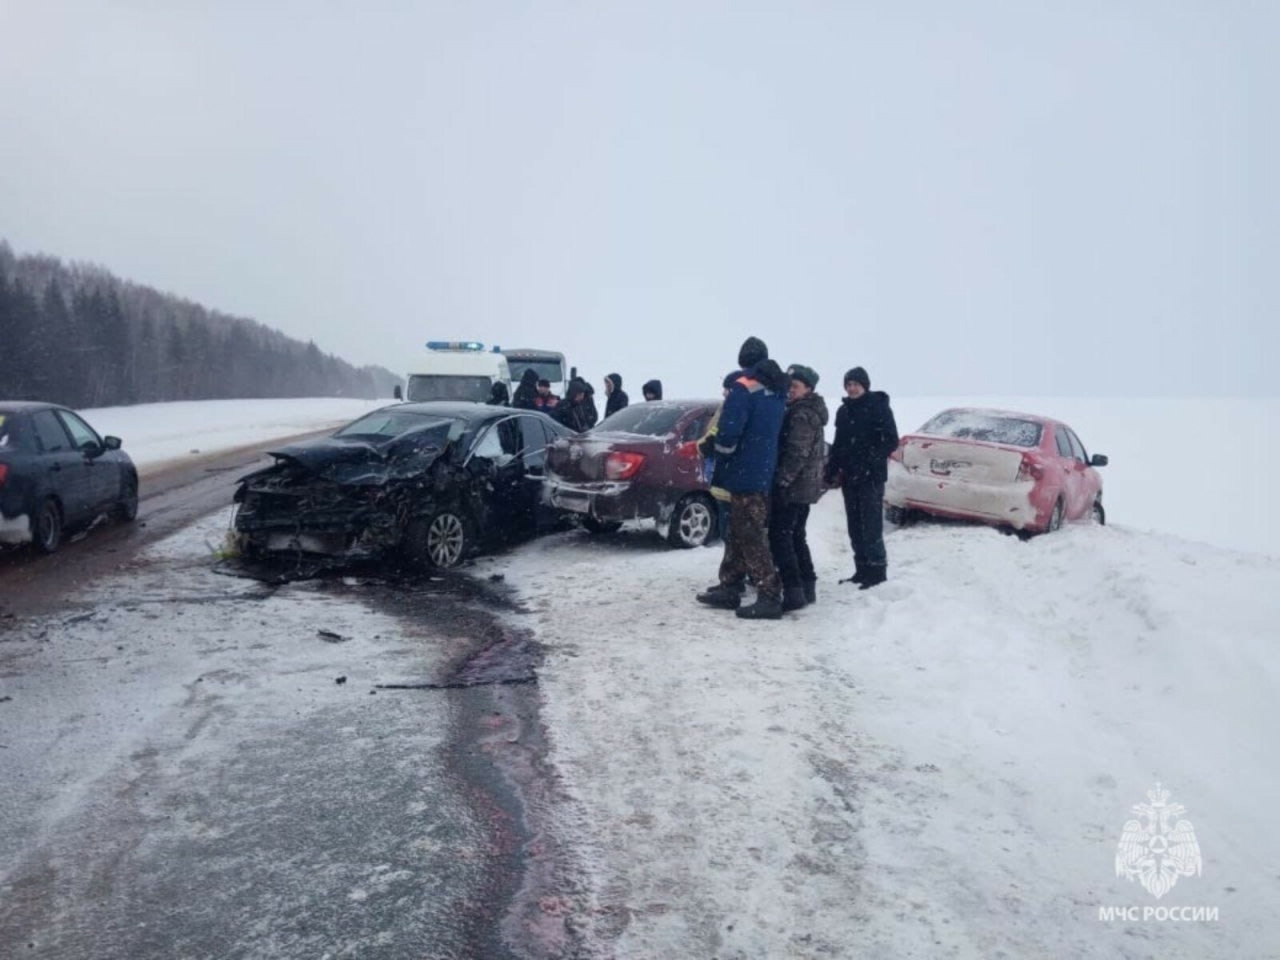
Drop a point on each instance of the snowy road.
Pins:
(193, 770)
(942, 767)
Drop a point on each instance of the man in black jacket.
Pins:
(797, 485)
(617, 399)
(577, 410)
(652, 390)
(865, 436)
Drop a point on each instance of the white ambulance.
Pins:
(457, 370)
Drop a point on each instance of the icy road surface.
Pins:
(192, 768)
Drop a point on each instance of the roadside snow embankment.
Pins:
(160, 434)
(942, 766)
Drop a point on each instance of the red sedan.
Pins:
(641, 463)
(1016, 470)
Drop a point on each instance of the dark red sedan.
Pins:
(642, 463)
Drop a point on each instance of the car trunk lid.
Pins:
(585, 459)
(970, 461)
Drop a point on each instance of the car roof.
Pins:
(27, 406)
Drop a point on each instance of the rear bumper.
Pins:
(1008, 504)
(611, 501)
(15, 530)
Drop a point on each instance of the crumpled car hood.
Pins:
(358, 461)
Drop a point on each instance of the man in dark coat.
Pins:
(797, 485)
(865, 436)
(618, 400)
(526, 397)
(499, 396)
(577, 410)
(652, 390)
(747, 440)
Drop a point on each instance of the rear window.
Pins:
(434, 386)
(643, 419)
(987, 427)
(389, 423)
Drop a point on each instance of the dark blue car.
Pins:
(56, 474)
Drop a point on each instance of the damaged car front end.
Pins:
(354, 495)
(425, 481)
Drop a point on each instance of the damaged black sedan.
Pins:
(431, 482)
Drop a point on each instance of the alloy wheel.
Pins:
(695, 523)
(446, 538)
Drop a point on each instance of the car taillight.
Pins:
(623, 466)
(1029, 469)
(688, 450)
(4, 473)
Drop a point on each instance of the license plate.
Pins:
(304, 542)
(576, 504)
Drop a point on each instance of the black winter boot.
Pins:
(793, 599)
(811, 591)
(873, 575)
(859, 574)
(765, 608)
(723, 596)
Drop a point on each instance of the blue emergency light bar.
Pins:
(454, 345)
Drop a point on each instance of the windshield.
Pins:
(645, 419)
(990, 428)
(552, 370)
(435, 386)
(389, 423)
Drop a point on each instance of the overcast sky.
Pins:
(1000, 198)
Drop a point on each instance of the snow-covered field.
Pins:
(941, 767)
(159, 434)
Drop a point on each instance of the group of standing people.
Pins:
(577, 409)
(769, 451)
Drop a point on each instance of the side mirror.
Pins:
(1098, 460)
(112, 443)
(398, 392)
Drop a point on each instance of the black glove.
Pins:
(707, 446)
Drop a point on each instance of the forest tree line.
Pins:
(77, 335)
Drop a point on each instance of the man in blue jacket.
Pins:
(746, 448)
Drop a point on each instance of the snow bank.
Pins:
(942, 766)
(156, 434)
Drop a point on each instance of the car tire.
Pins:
(593, 525)
(441, 540)
(1056, 518)
(127, 507)
(901, 516)
(46, 534)
(693, 522)
(1099, 513)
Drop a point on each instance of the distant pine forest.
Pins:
(77, 335)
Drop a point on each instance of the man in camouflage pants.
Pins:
(747, 439)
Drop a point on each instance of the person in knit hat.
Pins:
(797, 485)
(866, 434)
(747, 443)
